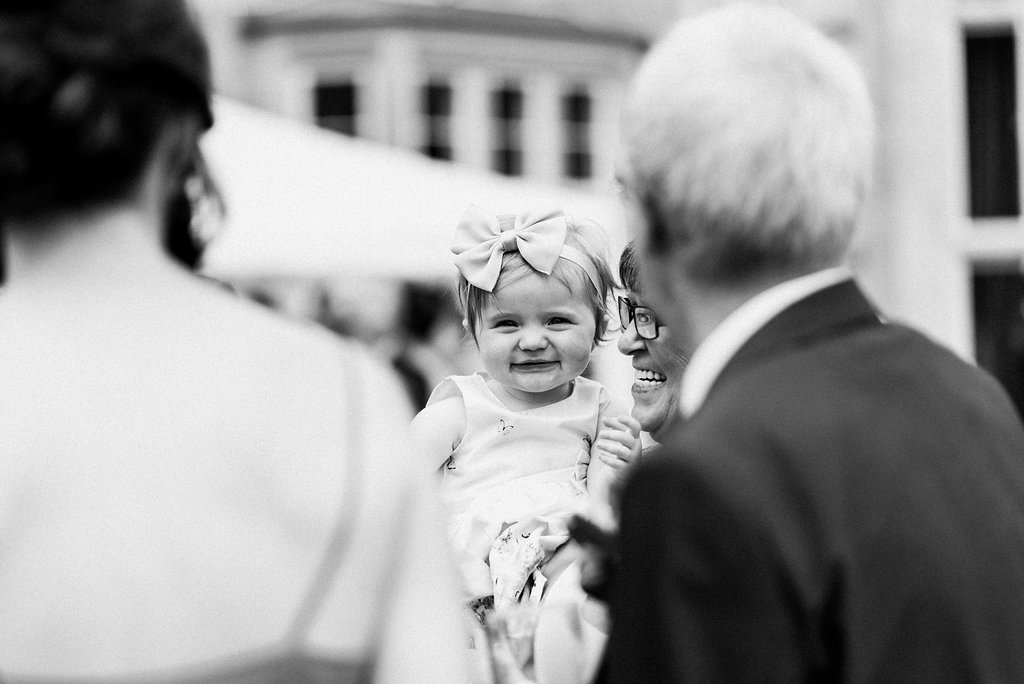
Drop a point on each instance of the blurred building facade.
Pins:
(525, 89)
(533, 88)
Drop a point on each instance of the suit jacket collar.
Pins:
(822, 314)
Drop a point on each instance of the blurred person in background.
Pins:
(191, 488)
(843, 498)
(430, 342)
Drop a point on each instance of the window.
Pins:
(999, 328)
(507, 115)
(991, 121)
(576, 157)
(337, 106)
(437, 114)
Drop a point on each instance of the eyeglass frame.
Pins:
(630, 317)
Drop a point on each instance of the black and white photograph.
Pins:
(511, 341)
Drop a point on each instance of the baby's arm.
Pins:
(437, 430)
(618, 441)
(616, 446)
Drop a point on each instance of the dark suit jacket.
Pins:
(848, 505)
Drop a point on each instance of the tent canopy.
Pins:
(306, 202)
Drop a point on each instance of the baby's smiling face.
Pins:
(535, 338)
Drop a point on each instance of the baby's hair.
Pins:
(587, 237)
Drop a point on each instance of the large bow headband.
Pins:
(539, 236)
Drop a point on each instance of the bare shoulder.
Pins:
(287, 351)
(447, 411)
(271, 331)
(283, 384)
(438, 429)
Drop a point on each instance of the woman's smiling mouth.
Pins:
(644, 378)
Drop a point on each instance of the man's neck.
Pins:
(713, 303)
(750, 311)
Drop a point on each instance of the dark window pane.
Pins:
(577, 165)
(576, 107)
(991, 120)
(576, 158)
(438, 152)
(437, 99)
(999, 329)
(507, 111)
(437, 109)
(337, 106)
(508, 162)
(508, 103)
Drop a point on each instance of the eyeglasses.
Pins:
(642, 317)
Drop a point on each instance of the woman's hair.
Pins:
(629, 267)
(587, 237)
(87, 89)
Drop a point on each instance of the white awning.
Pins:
(307, 202)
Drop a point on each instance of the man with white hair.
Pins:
(844, 499)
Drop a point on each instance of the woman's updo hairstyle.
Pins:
(87, 88)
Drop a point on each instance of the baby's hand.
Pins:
(618, 441)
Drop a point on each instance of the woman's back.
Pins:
(175, 466)
(191, 489)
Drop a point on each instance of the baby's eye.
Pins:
(559, 320)
(504, 323)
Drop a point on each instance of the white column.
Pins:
(298, 86)
(607, 99)
(542, 127)
(912, 246)
(471, 116)
(392, 105)
(229, 61)
(373, 93)
(269, 63)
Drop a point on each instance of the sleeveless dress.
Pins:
(524, 468)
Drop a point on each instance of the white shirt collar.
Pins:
(725, 340)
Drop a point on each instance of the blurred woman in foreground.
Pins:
(190, 488)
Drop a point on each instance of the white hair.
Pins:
(749, 140)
